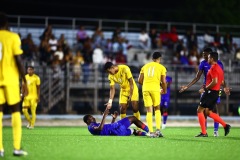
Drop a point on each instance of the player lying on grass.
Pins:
(119, 128)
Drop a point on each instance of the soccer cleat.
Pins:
(2, 153)
(28, 125)
(215, 134)
(19, 153)
(158, 133)
(163, 126)
(227, 129)
(202, 135)
(151, 135)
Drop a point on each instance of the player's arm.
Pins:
(226, 88)
(163, 84)
(111, 93)
(114, 116)
(22, 73)
(38, 93)
(197, 77)
(131, 88)
(100, 127)
(140, 78)
(212, 84)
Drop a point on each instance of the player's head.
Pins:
(109, 67)
(212, 57)
(30, 70)
(156, 56)
(3, 21)
(89, 119)
(206, 52)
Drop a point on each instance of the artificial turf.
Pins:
(76, 143)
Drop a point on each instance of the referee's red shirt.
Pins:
(215, 72)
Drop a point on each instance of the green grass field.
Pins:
(76, 143)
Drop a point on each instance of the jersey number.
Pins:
(151, 71)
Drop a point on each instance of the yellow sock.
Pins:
(1, 141)
(26, 114)
(17, 130)
(137, 115)
(123, 115)
(158, 119)
(33, 111)
(149, 121)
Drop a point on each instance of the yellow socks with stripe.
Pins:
(123, 115)
(17, 130)
(158, 119)
(149, 121)
(26, 114)
(1, 141)
(137, 115)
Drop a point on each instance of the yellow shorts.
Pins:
(124, 94)
(151, 98)
(29, 102)
(10, 94)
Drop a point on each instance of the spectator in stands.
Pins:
(98, 57)
(63, 43)
(117, 33)
(78, 61)
(144, 40)
(87, 56)
(208, 39)
(228, 42)
(53, 42)
(153, 34)
(29, 48)
(44, 50)
(81, 35)
(47, 32)
(173, 38)
(194, 59)
(147, 58)
(163, 39)
(59, 53)
(217, 41)
(97, 37)
(191, 39)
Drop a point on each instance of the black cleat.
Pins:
(227, 129)
(202, 135)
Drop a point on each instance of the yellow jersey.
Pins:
(152, 76)
(32, 83)
(121, 77)
(10, 45)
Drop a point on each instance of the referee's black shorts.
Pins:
(209, 99)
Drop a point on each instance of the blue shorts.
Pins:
(121, 127)
(165, 102)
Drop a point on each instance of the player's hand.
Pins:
(201, 90)
(227, 90)
(109, 104)
(183, 88)
(115, 114)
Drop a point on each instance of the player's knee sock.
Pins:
(217, 118)
(201, 120)
(216, 126)
(165, 116)
(144, 127)
(17, 130)
(137, 115)
(158, 119)
(123, 115)
(33, 111)
(1, 142)
(149, 121)
(26, 114)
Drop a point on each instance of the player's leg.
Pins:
(202, 123)
(216, 124)
(123, 104)
(25, 107)
(123, 110)
(2, 102)
(138, 123)
(13, 100)
(165, 116)
(33, 112)
(156, 105)
(148, 104)
(134, 101)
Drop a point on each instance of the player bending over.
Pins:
(119, 128)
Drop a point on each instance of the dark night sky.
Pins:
(90, 9)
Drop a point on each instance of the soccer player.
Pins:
(33, 97)
(214, 80)
(165, 100)
(122, 75)
(203, 68)
(119, 128)
(10, 69)
(152, 77)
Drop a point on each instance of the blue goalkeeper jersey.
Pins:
(119, 128)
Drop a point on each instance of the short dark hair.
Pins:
(85, 118)
(208, 50)
(30, 67)
(107, 66)
(214, 55)
(3, 20)
(156, 55)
